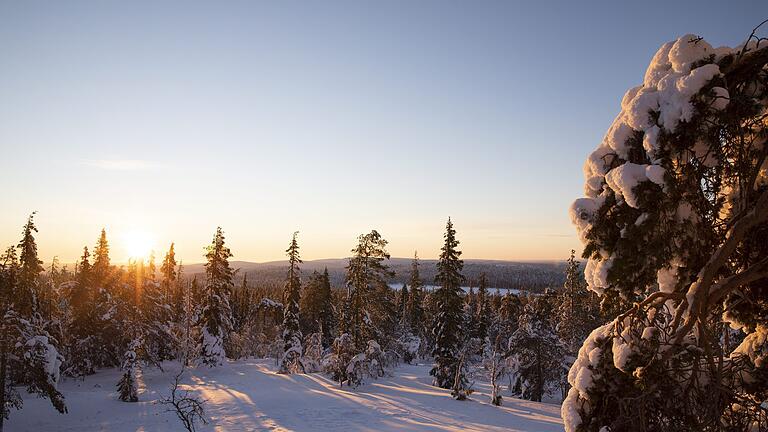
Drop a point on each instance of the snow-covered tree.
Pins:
(316, 307)
(482, 309)
(342, 352)
(448, 328)
(536, 355)
(80, 296)
(216, 319)
(402, 303)
(313, 352)
(292, 350)
(675, 229)
(106, 324)
(158, 340)
(127, 387)
(28, 354)
(371, 315)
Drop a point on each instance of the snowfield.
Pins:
(248, 395)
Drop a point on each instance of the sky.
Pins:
(160, 121)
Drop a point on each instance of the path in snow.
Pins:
(248, 395)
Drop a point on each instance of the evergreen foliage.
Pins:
(448, 329)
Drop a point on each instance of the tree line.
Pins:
(100, 315)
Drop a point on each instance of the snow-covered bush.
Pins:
(313, 353)
(342, 352)
(675, 228)
(408, 347)
(128, 386)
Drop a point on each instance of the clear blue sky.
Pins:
(170, 118)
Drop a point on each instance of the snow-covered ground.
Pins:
(248, 395)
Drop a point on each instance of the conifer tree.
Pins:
(216, 319)
(28, 354)
(536, 352)
(157, 339)
(292, 349)
(577, 313)
(402, 304)
(81, 346)
(448, 328)
(674, 226)
(414, 308)
(106, 321)
(366, 290)
(101, 263)
(482, 312)
(169, 273)
(128, 386)
(316, 307)
(30, 268)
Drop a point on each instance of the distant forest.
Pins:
(528, 276)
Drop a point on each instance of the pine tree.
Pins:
(370, 315)
(292, 349)
(216, 316)
(449, 325)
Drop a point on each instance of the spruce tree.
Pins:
(292, 349)
(482, 311)
(157, 338)
(536, 352)
(402, 304)
(316, 307)
(674, 224)
(448, 327)
(216, 319)
(577, 312)
(28, 354)
(106, 321)
(414, 308)
(81, 347)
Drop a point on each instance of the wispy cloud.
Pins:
(123, 164)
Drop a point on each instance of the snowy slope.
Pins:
(249, 396)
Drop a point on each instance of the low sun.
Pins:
(137, 243)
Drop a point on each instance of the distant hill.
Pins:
(531, 276)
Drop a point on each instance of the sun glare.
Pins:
(137, 243)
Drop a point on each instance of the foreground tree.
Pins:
(216, 315)
(448, 329)
(675, 227)
(292, 350)
(370, 315)
(28, 354)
